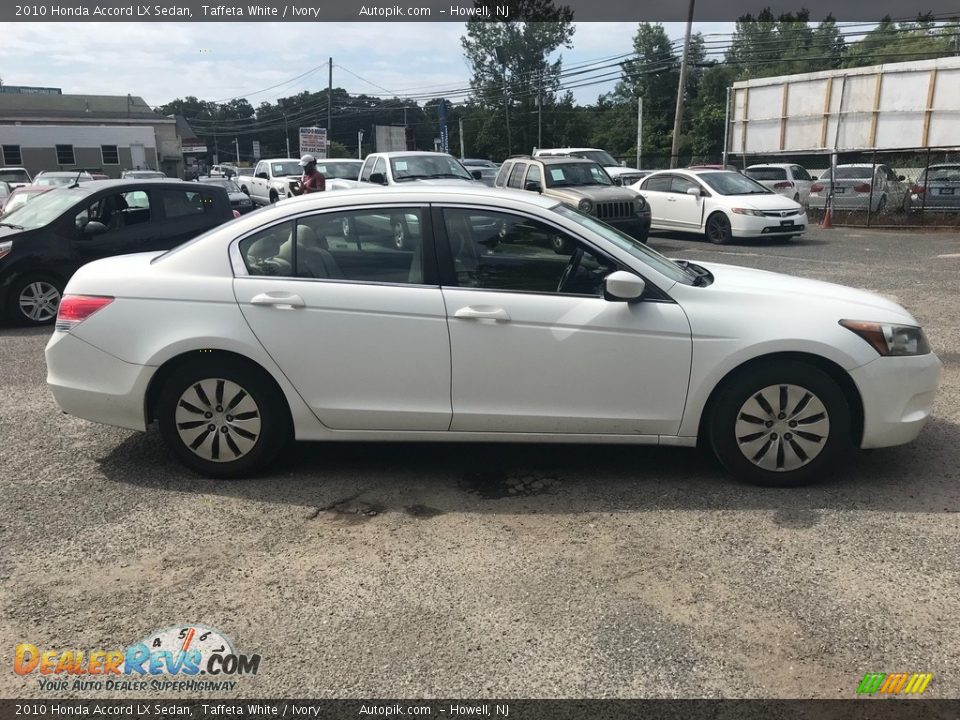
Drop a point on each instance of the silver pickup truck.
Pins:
(272, 180)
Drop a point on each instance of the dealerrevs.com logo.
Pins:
(186, 657)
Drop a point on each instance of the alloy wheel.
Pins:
(218, 420)
(39, 301)
(782, 427)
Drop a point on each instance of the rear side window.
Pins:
(179, 203)
(503, 174)
(516, 177)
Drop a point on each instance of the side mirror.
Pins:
(618, 180)
(477, 175)
(263, 176)
(693, 191)
(533, 186)
(378, 178)
(94, 228)
(623, 286)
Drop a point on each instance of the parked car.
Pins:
(224, 170)
(4, 194)
(43, 242)
(721, 205)
(425, 168)
(488, 169)
(22, 195)
(620, 174)
(247, 171)
(61, 178)
(268, 329)
(861, 185)
(581, 184)
(15, 176)
(272, 180)
(730, 168)
(142, 175)
(239, 200)
(937, 189)
(792, 181)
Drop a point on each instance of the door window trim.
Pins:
(444, 258)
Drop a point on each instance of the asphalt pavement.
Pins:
(377, 570)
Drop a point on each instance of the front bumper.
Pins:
(897, 395)
(637, 227)
(94, 385)
(749, 226)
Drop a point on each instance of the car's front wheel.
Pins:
(34, 300)
(718, 229)
(222, 418)
(784, 424)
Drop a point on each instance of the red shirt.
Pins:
(314, 182)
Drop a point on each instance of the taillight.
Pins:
(782, 185)
(816, 187)
(74, 309)
(862, 187)
(236, 214)
(918, 189)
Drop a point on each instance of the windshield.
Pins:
(767, 173)
(340, 170)
(286, 168)
(229, 185)
(949, 173)
(732, 183)
(598, 156)
(412, 167)
(565, 175)
(43, 209)
(14, 176)
(665, 266)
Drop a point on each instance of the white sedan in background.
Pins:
(787, 179)
(275, 326)
(719, 204)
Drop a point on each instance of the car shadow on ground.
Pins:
(691, 241)
(557, 479)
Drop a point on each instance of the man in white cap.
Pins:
(312, 181)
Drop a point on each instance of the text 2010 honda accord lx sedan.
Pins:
(278, 325)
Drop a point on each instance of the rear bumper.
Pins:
(897, 395)
(94, 385)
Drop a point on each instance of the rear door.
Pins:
(187, 213)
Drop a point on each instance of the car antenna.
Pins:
(76, 181)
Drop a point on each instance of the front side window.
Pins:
(657, 183)
(367, 245)
(533, 175)
(116, 211)
(500, 251)
(680, 185)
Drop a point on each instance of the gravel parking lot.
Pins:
(500, 570)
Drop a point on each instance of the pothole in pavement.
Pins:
(422, 511)
(495, 484)
(349, 508)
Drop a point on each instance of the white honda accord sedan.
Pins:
(278, 326)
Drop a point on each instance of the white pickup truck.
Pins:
(404, 168)
(272, 180)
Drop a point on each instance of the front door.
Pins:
(353, 321)
(116, 223)
(535, 347)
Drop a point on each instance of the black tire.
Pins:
(401, 235)
(243, 189)
(273, 197)
(744, 442)
(39, 289)
(271, 433)
(718, 230)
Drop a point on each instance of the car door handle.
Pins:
(284, 301)
(482, 312)
(671, 199)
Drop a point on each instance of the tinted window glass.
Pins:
(659, 183)
(533, 175)
(503, 174)
(516, 177)
(117, 210)
(177, 203)
(500, 251)
(767, 173)
(680, 185)
(800, 173)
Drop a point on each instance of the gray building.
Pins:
(64, 120)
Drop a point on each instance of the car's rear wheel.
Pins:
(222, 418)
(781, 425)
(34, 300)
(718, 230)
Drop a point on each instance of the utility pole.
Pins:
(360, 144)
(502, 58)
(286, 133)
(330, 108)
(236, 144)
(681, 90)
(639, 131)
(463, 153)
(726, 128)
(540, 111)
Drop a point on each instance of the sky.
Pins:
(218, 61)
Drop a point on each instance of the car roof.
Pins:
(409, 153)
(567, 149)
(61, 173)
(773, 165)
(409, 193)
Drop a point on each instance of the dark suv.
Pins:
(43, 242)
(581, 184)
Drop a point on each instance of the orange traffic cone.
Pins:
(827, 222)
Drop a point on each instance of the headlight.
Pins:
(639, 205)
(747, 211)
(5, 248)
(889, 339)
(585, 206)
